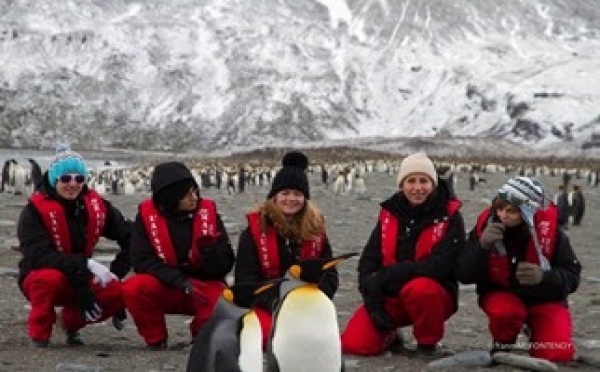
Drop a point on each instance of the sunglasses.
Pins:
(66, 178)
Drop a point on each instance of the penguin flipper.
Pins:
(224, 362)
(227, 356)
(199, 353)
(270, 359)
(272, 365)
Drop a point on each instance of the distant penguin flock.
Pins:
(339, 178)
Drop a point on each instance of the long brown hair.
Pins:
(304, 225)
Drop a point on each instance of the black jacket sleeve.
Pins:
(330, 281)
(247, 270)
(371, 260)
(38, 250)
(145, 260)
(471, 265)
(218, 257)
(247, 266)
(118, 228)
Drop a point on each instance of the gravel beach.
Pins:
(349, 223)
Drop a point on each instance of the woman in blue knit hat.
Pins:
(58, 230)
(282, 230)
(524, 268)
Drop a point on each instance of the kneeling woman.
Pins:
(284, 229)
(524, 268)
(406, 268)
(180, 252)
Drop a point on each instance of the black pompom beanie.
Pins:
(292, 176)
(170, 183)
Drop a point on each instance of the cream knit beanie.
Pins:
(417, 163)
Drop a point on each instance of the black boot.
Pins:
(74, 339)
(39, 343)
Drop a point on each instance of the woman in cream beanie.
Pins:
(417, 163)
(406, 268)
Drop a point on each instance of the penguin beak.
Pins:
(295, 271)
(338, 259)
(228, 295)
(269, 285)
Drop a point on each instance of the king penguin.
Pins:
(305, 334)
(7, 175)
(231, 340)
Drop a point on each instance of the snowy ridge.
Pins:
(223, 74)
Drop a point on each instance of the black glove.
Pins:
(118, 319)
(187, 287)
(374, 298)
(311, 270)
(89, 308)
(396, 275)
(91, 311)
(216, 260)
(382, 321)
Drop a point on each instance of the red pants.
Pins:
(149, 300)
(422, 302)
(47, 288)
(550, 325)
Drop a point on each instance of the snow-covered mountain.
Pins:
(227, 74)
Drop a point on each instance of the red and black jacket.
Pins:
(267, 248)
(204, 228)
(423, 241)
(500, 266)
(170, 246)
(54, 218)
(256, 248)
(67, 247)
(492, 272)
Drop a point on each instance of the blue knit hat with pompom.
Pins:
(65, 161)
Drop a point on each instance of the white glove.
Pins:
(102, 275)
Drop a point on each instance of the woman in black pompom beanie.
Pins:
(292, 176)
(285, 229)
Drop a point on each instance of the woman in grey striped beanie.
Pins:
(530, 269)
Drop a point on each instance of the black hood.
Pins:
(168, 174)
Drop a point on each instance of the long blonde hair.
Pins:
(304, 225)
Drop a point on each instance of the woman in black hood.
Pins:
(180, 252)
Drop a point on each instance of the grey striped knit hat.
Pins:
(525, 193)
